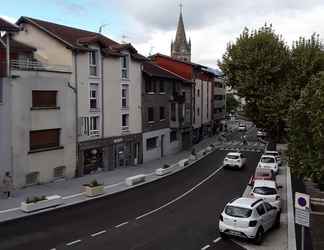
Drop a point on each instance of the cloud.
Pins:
(9, 18)
(71, 8)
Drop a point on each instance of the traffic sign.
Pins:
(302, 217)
(301, 201)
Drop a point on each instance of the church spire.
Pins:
(180, 48)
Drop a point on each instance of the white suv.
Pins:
(270, 162)
(275, 154)
(234, 159)
(268, 191)
(248, 218)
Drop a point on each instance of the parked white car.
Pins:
(235, 160)
(276, 154)
(261, 133)
(268, 191)
(242, 127)
(270, 162)
(248, 218)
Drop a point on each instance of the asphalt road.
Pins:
(191, 201)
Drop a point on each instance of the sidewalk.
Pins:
(114, 181)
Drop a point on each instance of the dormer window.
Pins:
(93, 63)
(125, 67)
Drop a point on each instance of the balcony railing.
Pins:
(37, 66)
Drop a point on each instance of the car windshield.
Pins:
(267, 160)
(265, 190)
(234, 157)
(239, 212)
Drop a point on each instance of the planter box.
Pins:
(164, 171)
(192, 158)
(183, 162)
(93, 191)
(51, 201)
(133, 180)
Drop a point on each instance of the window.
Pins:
(218, 97)
(198, 92)
(32, 178)
(162, 113)
(93, 96)
(94, 126)
(239, 212)
(59, 172)
(161, 86)
(198, 111)
(42, 139)
(125, 118)
(84, 126)
(93, 63)
(150, 86)
(151, 143)
(1, 91)
(124, 66)
(173, 136)
(150, 112)
(44, 99)
(260, 209)
(268, 206)
(173, 112)
(124, 97)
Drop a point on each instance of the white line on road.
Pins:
(121, 224)
(9, 210)
(98, 233)
(205, 247)
(73, 242)
(181, 196)
(216, 240)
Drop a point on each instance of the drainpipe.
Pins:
(76, 111)
(8, 54)
(102, 99)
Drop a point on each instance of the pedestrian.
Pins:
(7, 184)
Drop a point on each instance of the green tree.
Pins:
(232, 103)
(256, 65)
(306, 131)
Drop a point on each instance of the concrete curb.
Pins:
(290, 211)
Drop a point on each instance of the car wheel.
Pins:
(259, 236)
(223, 235)
(277, 222)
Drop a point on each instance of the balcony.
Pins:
(94, 133)
(33, 65)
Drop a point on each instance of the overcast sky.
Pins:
(151, 25)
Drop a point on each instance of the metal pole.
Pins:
(302, 237)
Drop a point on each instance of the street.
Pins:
(185, 208)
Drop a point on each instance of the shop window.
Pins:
(44, 99)
(32, 178)
(162, 113)
(150, 112)
(59, 172)
(151, 143)
(173, 136)
(42, 139)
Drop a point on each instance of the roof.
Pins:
(19, 46)
(7, 26)
(265, 183)
(73, 38)
(180, 41)
(234, 153)
(268, 156)
(271, 152)
(153, 69)
(245, 202)
(177, 60)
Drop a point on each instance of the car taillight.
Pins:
(253, 223)
(277, 197)
(221, 217)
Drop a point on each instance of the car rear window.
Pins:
(267, 160)
(232, 157)
(239, 212)
(262, 174)
(265, 190)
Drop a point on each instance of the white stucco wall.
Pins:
(112, 97)
(5, 128)
(24, 120)
(168, 147)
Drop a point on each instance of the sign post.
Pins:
(302, 210)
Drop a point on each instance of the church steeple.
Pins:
(180, 48)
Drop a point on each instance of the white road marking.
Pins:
(205, 247)
(72, 196)
(98, 233)
(181, 196)
(73, 242)
(216, 240)
(9, 210)
(121, 224)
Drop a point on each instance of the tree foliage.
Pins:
(232, 103)
(256, 65)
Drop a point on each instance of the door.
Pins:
(162, 146)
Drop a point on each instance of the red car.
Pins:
(262, 174)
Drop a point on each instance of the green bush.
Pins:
(35, 199)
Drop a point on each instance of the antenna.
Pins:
(101, 27)
(181, 6)
(124, 38)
